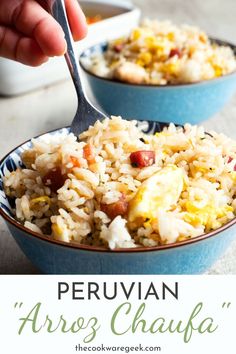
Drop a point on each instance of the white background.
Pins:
(213, 291)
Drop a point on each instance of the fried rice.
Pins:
(161, 53)
(118, 187)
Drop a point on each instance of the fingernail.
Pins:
(65, 47)
(45, 60)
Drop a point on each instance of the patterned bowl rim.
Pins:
(75, 246)
(103, 45)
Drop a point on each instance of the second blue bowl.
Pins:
(190, 103)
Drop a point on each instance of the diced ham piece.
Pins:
(89, 153)
(75, 161)
(54, 179)
(118, 47)
(230, 159)
(118, 208)
(174, 52)
(142, 158)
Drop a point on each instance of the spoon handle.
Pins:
(86, 114)
(57, 9)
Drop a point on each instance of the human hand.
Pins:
(30, 35)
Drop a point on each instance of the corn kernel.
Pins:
(191, 207)
(146, 57)
(140, 62)
(171, 36)
(170, 68)
(233, 176)
(136, 34)
(149, 40)
(193, 219)
(218, 71)
(57, 231)
(202, 169)
(182, 238)
(203, 37)
(147, 224)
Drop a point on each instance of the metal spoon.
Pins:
(86, 113)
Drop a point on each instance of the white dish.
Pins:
(119, 18)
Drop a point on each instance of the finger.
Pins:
(17, 47)
(77, 19)
(31, 19)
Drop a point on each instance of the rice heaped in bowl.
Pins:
(119, 187)
(161, 53)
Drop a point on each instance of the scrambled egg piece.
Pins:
(207, 216)
(42, 199)
(131, 72)
(233, 176)
(60, 233)
(161, 190)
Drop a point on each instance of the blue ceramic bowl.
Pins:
(179, 104)
(54, 257)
